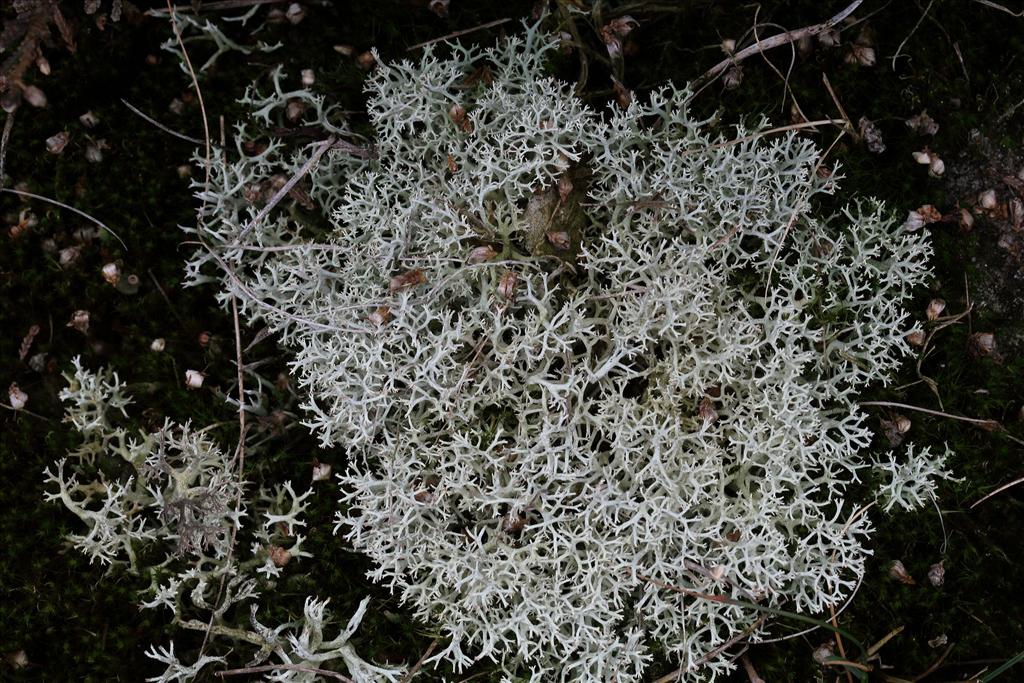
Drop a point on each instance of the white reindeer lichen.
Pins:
(578, 361)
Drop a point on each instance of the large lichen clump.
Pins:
(590, 368)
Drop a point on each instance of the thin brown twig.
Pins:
(456, 34)
(938, 662)
(419, 663)
(290, 667)
(321, 149)
(199, 92)
(776, 41)
(711, 654)
(8, 125)
(938, 413)
(839, 641)
(138, 112)
(62, 205)
(1001, 8)
(570, 23)
(217, 5)
(998, 491)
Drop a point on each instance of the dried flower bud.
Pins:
(923, 157)
(203, 339)
(278, 555)
(55, 144)
(80, 321)
(823, 653)
(728, 46)
(408, 279)
(43, 64)
(937, 166)
(111, 273)
(439, 7)
(481, 254)
(559, 239)
(308, 77)
(459, 117)
(507, 284)
(937, 575)
(915, 338)
(935, 308)
(897, 572)
(380, 316)
(158, 345)
(17, 397)
(194, 379)
(34, 96)
(321, 471)
(922, 124)
(987, 200)
(88, 119)
(872, 135)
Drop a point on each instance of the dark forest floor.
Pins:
(960, 60)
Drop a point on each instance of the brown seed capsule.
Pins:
(278, 555)
(987, 200)
(294, 110)
(295, 13)
(564, 187)
(321, 471)
(507, 284)
(69, 256)
(559, 239)
(823, 653)
(17, 397)
(706, 411)
(80, 321)
(439, 7)
(55, 144)
(897, 572)
(937, 574)
(935, 308)
(481, 254)
(111, 273)
(366, 61)
(916, 338)
(194, 379)
(43, 65)
(408, 279)
(380, 316)
(981, 344)
(966, 220)
(34, 96)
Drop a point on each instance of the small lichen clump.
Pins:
(579, 361)
(174, 497)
